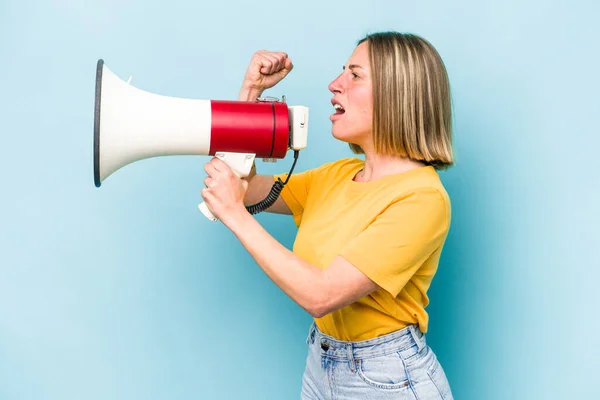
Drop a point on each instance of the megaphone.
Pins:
(131, 124)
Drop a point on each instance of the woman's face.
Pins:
(353, 99)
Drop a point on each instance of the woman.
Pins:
(370, 232)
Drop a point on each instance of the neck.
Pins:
(379, 165)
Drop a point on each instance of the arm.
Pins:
(259, 187)
(404, 240)
(265, 70)
(317, 291)
(396, 250)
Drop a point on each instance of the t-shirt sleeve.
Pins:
(295, 192)
(393, 247)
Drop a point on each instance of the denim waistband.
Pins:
(344, 350)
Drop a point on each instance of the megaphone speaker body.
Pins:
(131, 124)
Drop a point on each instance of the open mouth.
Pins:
(338, 108)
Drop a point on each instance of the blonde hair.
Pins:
(412, 115)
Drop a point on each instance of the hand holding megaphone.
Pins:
(131, 124)
(240, 164)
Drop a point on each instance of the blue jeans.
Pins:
(399, 365)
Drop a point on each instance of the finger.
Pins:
(270, 65)
(206, 195)
(212, 172)
(275, 60)
(209, 182)
(284, 60)
(263, 61)
(285, 68)
(283, 72)
(288, 64)
(278, 61)
(217, 164)
(220, 166)
(265, 66)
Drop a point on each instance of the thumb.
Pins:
(287, 68)
(288, 64)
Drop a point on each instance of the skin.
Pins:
(318, 291)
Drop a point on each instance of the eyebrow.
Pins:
(351, 66)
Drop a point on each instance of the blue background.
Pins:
(128, 292)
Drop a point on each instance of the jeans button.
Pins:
(324, 345)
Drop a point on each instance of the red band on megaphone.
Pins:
(249, 127)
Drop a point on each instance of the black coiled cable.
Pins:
(274, 193)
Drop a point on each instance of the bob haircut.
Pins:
(412, 113)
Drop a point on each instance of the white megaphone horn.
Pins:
(131, 124)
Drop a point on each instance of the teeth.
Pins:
(338, 107)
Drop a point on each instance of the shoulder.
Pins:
(343, 165)
(425, 197)
(423, 181)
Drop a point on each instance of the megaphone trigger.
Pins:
(240, 163)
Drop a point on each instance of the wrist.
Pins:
(237, 219)
(249, 92)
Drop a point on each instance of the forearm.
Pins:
(301, 281)
(249, 94)
(259, 187)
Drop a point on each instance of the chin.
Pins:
(343, 136)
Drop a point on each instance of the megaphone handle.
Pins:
(204, 208)
(240, 163)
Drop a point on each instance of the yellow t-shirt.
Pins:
(392, 229)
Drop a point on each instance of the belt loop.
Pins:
(417, 336)
(351, 357)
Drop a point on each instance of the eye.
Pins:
(355, 75)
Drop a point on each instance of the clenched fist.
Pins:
(265, 70)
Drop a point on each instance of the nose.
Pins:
(336, 85)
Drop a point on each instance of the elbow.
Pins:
(317, 312)
(319, 308)
(321, 301)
